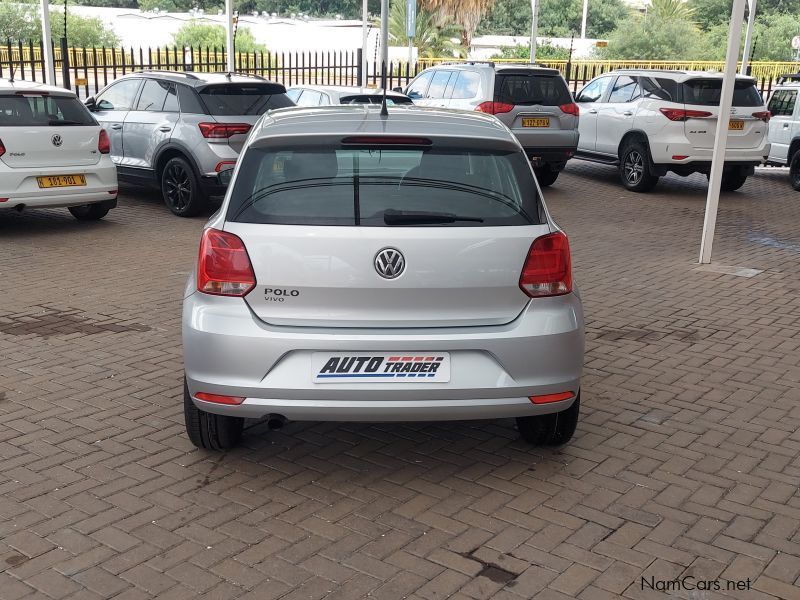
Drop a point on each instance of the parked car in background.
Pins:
(648, 122)
(312, 95)
(180, 130)
(534, 102)
(370, 268)
(53, 153)
(784, 127)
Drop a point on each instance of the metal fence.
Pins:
(86, 70)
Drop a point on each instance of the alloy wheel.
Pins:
(178, 187)
(633, 167)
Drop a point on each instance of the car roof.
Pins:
(33, 86)
(365, 119)
(345, 91)
(679, 76)
(198, 79)
(499, 67)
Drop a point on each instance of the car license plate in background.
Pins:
(736, 125)
(395, 367)
(51, 181)
(538, 122)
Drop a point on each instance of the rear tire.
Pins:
(546, 176)
(634, 167)
(180, 188)
(207, 430)
(733, 180)
(794, 171)
(89, 212)
(550, 430)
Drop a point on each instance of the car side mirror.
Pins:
(224, 177)
(90, 103)
(397, 89)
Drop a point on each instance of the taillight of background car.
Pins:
(222, 130)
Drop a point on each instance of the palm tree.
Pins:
(431, 40)
(671, 9)
(466, 13)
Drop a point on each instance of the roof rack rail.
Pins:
(238, 74)
(788, 77)
(167, 72)
(488, 63)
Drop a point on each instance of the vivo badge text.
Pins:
(397, 367)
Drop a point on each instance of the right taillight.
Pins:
(548, 268)
(570, 109)
(223, 267)
(103, 143)
(221, 131)
(494, 108)
(682, 114)
(2, 148)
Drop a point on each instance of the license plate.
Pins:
(537, 122)
(395, 367)
(51, 181)
(736, 125)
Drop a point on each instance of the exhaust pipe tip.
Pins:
(276, 421)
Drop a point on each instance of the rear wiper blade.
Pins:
(400, 217)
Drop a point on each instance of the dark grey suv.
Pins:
(180, 130)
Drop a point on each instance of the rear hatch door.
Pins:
(43, 130)
(744, 130)
(240, 105)
(536, 99)
(363, 237)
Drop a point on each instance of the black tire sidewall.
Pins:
(88, 212)
(546, 176)
(794, 170)
(648, 180)
(196, 200)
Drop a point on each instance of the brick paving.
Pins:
(686, 460)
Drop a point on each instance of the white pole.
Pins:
(583, 19)
(534, 27)
(721, 138)
(47, 46)
(229, 36)
(748, 38)
(384, 41)
(364, 44)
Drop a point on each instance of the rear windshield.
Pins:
(524, 89)
(19, 111)
(230, 100)
(706, 92)
(384, 188)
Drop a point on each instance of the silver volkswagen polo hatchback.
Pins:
(366, 267)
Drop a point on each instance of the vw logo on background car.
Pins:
(390, 263)
(57, 141)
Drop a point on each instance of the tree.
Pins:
(195, 35)
(82, 32)
(543, 52)
(430, 39)
(671, 9)
(557, 18)
(467, 13)
(651, 37)
(18, 21)
(772, 38)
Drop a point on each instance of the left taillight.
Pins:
(103, 143)
(570, 109)
(222, 130)
(223, 266)
(764, 115)
(548, 267)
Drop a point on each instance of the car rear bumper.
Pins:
(494, 370)
(684, 154)
(20, 186)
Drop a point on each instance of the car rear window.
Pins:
(40, 110)
(251, 99)
(384, 187)
(530, 89)
(706, 92)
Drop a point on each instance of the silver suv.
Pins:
(369, 268)
(180, 130)
(534, 102)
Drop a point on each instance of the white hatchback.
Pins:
(53, 152)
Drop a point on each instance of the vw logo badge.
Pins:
(57, 141)
(390, 263)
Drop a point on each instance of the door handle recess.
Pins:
(628, 113)
(592, 111)
(165, 129)
(116, 126)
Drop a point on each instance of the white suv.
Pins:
(648, 122)
(784, 128)
(53, 153)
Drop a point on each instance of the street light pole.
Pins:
(748, 37)
(583, 19)
(364, 39)
(384, 41)
(47, 45)
(534, 27)
(230, 48)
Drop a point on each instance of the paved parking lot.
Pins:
(686, 460)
